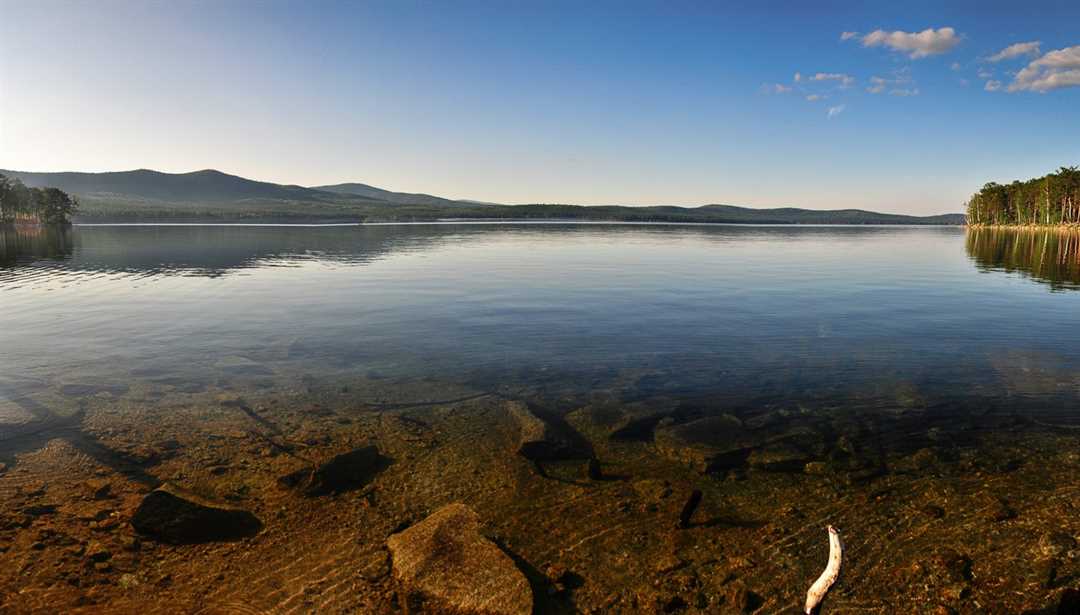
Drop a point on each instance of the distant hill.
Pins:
(207, 186)
(213, 195)
(371, 192)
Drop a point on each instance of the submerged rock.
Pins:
(628, 422)
(447, 560)
(539, 440)
(342, 472)
(176, 516)
(708, 444)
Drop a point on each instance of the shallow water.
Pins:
(881, 341)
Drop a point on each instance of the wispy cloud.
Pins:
(992, 85)
(798, 77)
(813, 97)
(984, 74)
(916, 44)
(1015, 51)
(845, 36)
(835, 111)
(899, 84)
(1057, 69)
(844, 80)
(955, 66)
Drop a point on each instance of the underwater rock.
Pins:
(628, 422)
(98, 489)
(780, 457)
(342, 472)
(539, 440)
(176, 516)
(1070, 602)
(447, 560)
(708, 444)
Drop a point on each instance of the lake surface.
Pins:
(744, 312)
(785, 364)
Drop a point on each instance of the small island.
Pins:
(1050, 200)
(21, 205)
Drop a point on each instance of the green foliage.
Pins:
(19, 204)
(1051, 199)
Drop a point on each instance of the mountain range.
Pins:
(152, 195)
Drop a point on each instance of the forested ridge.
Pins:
(1053, 198)
(20, 204)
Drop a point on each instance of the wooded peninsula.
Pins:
(20, 204)
(1053, 199)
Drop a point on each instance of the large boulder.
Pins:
(340, 473)
(447, 560)
(176, 516)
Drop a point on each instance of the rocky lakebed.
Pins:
(355, 495)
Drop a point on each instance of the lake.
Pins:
(898, 382)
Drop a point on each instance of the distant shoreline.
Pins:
(486, 221)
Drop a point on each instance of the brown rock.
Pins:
(708, 444)
(98, 489)
(446, 559)
(538, 440)
(176, 516)
(343, 472)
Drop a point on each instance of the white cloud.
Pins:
(845, 80)
(835, 111)
(813, 97)
(916, 44)
(848, 35)
(1056, 69)
(1015, 51)
(992, 85)
(901, 82)
(798, 77)
(984, 74)
(775, 88)
(955, 66)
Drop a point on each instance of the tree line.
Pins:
(1051, 199)
(22, 204)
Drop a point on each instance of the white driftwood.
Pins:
(821, 586)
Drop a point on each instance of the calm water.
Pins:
(744, 314)
(916, 387)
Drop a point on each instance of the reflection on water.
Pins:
(871, 378)
(27, 244)
(1047, 255)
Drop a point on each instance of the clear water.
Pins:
(915, 386)
(746, 312)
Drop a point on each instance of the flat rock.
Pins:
(447, 560)
(176, 516)
(340, 473)
(709, 444)
(628, 422)
(538, 440)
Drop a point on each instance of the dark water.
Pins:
(744, 312)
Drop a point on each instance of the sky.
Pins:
(904, 107)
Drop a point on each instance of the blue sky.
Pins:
(621, 102)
